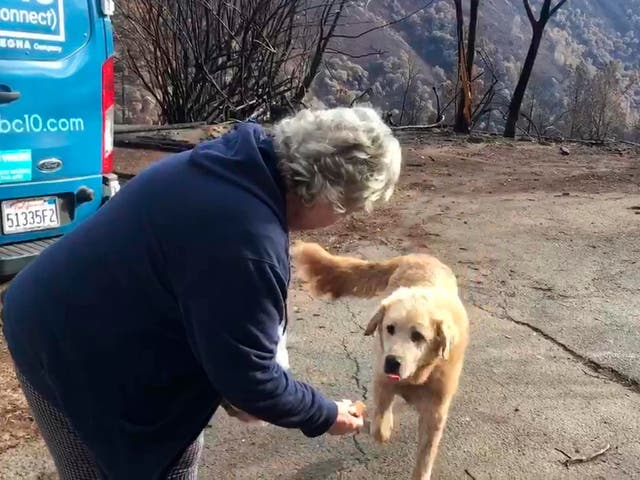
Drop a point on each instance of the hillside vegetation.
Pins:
(219, 60)
(420, 53)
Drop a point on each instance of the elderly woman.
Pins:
(130, 331)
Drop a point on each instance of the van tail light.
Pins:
(108, 114)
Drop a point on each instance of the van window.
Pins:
(43, 29)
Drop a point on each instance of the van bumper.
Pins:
(14, 257)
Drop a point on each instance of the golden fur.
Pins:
(421, 324)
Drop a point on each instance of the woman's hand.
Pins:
(347, 422)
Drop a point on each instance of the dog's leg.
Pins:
(433, 412)
(382, 423)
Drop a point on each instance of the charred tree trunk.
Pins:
(538, 26)
(531, 107)
(466, 58)
(463, 112)
(471, 41)
(404, 103)
(523, 82)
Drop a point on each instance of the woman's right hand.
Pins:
(346, 423)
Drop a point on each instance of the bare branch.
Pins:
(388, 24)
(211, 60)
(532, 18)
(360, 97)
(438, 109)
(356, 56)
(555, 9)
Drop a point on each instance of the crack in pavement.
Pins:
(358, 371)
(356, 375)
(353, 314)
(360, 449)
(363, 389)
(356, 378)
(605, 372)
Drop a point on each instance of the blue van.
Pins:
(57, 109)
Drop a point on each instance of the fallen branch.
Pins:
(421, 127)
(562, 452)
(626, 142)
(589, 458)
(468, 473)
(123, 128)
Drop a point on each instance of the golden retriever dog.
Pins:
(422, 331)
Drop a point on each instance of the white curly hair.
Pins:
(347, 156)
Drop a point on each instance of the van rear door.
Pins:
(53, 60)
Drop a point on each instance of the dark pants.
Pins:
(72, 457)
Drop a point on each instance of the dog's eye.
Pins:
(417, 337)
(391, 329)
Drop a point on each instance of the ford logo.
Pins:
(49, 165)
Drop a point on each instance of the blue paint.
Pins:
(33, 19)
(44, 29)
(15, 166)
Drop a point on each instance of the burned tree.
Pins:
(410, 76)
(489, 76)
(486, 81)
(538, 26)
(599, 101)
(216, 60)
(466, 57)
(579, 94)
(312, 48)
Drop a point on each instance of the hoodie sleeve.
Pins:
(232, 316)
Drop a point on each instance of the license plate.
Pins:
(30, 214)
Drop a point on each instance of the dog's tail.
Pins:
(336, 276)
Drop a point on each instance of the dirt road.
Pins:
(547, 248)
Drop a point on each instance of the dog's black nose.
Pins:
(391, 365)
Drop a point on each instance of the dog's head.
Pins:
(417, 326)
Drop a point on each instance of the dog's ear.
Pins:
(446, 335)
(375, 320)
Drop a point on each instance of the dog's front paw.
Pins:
(381, 428)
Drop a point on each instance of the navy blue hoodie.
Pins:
(169, 298)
